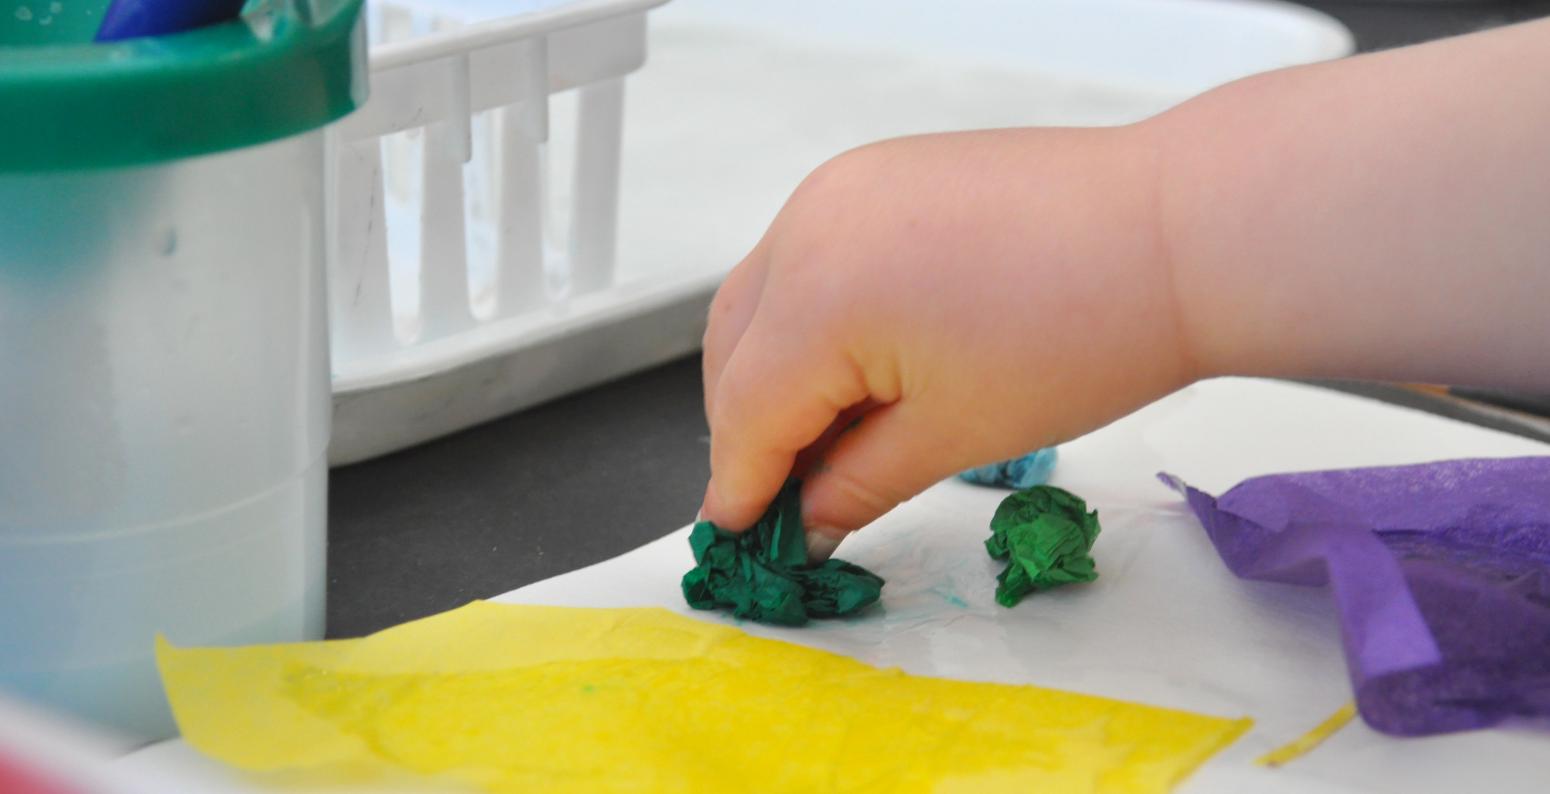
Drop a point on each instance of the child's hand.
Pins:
(976, 295)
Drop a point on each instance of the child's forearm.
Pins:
(1386, 216)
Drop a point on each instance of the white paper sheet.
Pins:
(1165, 623)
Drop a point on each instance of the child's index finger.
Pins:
(776, 396)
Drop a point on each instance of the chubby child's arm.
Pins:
(1383, 217)
(976, 295)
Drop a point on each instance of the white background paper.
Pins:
(1165, 623)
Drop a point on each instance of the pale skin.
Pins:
(977, 295)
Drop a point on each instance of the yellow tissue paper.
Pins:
(1305, 743)
(555, 699)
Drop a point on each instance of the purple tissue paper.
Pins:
(1441, 573)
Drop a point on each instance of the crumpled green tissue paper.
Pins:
(763, 575)
(1044, 533)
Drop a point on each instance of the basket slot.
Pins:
(444, 303)
(522, 130)
(461, 119)
(595, 202)
(361, 310)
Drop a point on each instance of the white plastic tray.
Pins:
(520, 298)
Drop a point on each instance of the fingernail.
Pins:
(821, 543)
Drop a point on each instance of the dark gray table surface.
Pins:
(1380, 24)
(590, 476)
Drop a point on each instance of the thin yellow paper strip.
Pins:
(554, 699)
(1302, 744)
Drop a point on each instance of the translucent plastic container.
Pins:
(164, 379)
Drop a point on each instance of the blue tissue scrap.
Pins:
(1025, 472)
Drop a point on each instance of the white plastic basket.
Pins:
(474, 268)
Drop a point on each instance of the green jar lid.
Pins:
(67, 103)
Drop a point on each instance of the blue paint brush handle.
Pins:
(128, 19)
